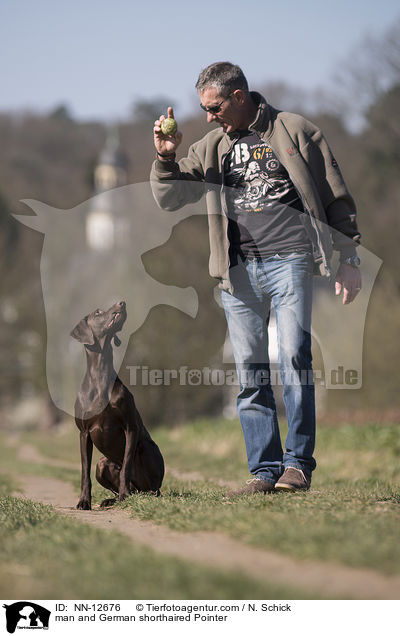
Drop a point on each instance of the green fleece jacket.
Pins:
(330, 217)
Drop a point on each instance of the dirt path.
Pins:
(214, 549)
(29, 453)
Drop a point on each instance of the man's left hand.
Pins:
(348, 279)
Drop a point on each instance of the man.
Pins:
(282, 206)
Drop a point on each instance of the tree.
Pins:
(372, 69)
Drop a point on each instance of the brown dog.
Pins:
(107, 417)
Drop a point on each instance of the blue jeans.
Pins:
(286, 281)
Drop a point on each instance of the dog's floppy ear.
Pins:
(83, 333)
(117, 341)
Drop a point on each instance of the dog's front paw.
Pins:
(84, 504)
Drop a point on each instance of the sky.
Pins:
(99, 57)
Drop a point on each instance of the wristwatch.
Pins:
(354, 261)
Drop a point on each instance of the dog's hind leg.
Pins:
(107, 474)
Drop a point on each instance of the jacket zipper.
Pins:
(223, 195)
(314, 225)
(223, 159)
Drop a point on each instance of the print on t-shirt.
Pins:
(259, 176)
(263, 205)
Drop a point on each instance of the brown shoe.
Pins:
(253, 486)
(293, 479)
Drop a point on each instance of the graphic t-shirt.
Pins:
(263, 205)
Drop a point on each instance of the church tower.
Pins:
(110, 172)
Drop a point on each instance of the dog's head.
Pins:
(100, 325)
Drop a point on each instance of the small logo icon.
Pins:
(292, 151)
(26, 615)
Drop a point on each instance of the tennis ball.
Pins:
(169, 126)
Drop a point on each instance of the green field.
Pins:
(45, 555)
(351, 516)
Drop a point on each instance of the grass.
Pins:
(357, 526)
(351, 516)
(48, 556)
(216, 449)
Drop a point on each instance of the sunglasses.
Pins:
(214, 109)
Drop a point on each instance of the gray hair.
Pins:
(225, 77)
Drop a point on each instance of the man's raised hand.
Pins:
(166, 144)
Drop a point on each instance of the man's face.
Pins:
(231, 114)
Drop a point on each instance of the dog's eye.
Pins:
(97, 312)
